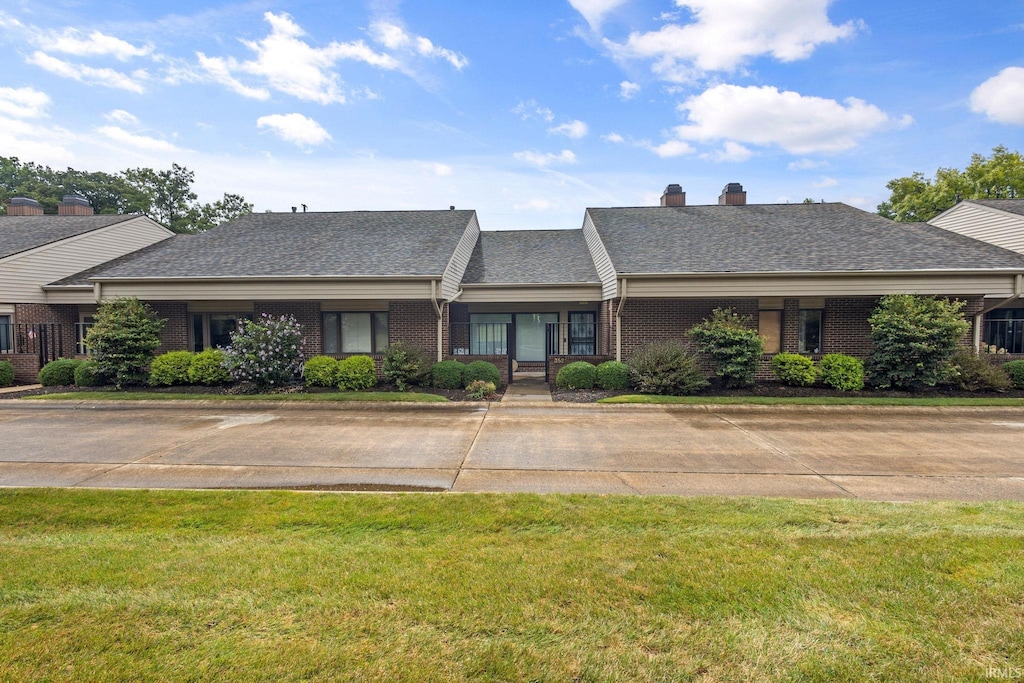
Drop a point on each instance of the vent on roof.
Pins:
(673, 196)
(74, 205)
(23, 206)
(732, 195)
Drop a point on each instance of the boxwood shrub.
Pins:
(321, 371)
(448, 374)
(208, 368)
(1015, 369)
(666, 368)
(405, 365)
(483, 370)
(6, 373)
(356, 373)
(578, 375)
(842, 372)
(794, 369)
(59, 373)
(613, 375)
(170, 368)
(87, 374)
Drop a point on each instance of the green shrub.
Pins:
(170, 368)
(1015, 369)
(266, 351)
(793, 369)
(59, 373)
(734, 347)
(208, 368)
(915, 338)
(578, 375)
(613, 375)
(405, 365)
(971, 373)
(666, 368)
(87, 374)
(356, 373)
(448, 374)
(6, 373)
(123, 339)
(841, 372)
(481, 370)
(321, 371)
(480, 389)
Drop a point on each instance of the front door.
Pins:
(582, 333)
(531, 330)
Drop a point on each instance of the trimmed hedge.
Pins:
(481, 370)
(207, 368)
(1015, 369)
(613, 375)
(841, 372)
(405, 365)
(170, 368)
(578, 375)
(6, 374)
(356, 373)
(59, 373)
(321, 371)
(87, 374)
(794, 369)
(448, 374)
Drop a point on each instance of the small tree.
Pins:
(735, 348)
(915, 338)
(266, 352)
(123, 339)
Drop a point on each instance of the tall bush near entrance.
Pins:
(735, 348)
(915, 338)
(266, 351)
(123, 339)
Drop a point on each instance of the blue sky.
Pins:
(526, 111)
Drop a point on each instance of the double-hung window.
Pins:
(355, 332)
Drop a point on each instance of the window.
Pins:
(769, 326)
(582, 333)
(810, 331)
(85, 322)
(213, 330)
(1003, 331)
(355, 332)
(6, 334)
(488, 333)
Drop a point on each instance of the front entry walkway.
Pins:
(527, 388)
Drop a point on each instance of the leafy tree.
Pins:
(123, 339)
(917, 198)
(734, 347)
(915, 338)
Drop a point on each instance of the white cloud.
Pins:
(731, 151)
(764, 116)
(723, 35)
(23, 103)
(572, 129)
(628, 90)
(394, 37)
(805, 165)
(41, 144)
(672, 148)
(290, 65)
(7, 21)
(595, 10)
(90, 75)
(122, 117)
(825, 181)
(533, 205)
(613, 137)
(1001, 98)
(440, 170)
(296, 128)
(96, 44)
(141, 142)
(530, 109)
(542, 160)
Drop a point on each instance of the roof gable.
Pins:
(23, 233)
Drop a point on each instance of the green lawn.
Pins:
(814, 400)
(223, 586)
(370, 396)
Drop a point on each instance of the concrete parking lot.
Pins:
(873, 453)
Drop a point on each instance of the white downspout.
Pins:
(440, 320)
(618, 321)
(1018, 292)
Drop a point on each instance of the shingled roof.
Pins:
(1009, 205)
(342, 244)
(21, 233)
(531, 257)
(760, 238)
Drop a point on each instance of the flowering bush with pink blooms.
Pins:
(266, 351)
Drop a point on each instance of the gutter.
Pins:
(1018, 292)
(618, 319)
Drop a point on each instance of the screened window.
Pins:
(355, 332)
(810, 331)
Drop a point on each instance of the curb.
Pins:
(244, 406)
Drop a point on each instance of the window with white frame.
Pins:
(357, 332)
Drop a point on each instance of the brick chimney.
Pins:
(733, 195)
(23, 206)
(673, 196)
(74, 205)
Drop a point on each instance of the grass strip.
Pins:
(814, 400)
(370, 396)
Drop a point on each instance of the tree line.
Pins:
(165, 196)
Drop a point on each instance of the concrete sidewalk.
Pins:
(793, 451)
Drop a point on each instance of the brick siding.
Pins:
(414, 323)
(33, 314)
(307, 314)
(175, 333)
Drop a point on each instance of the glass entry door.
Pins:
(531, 329)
